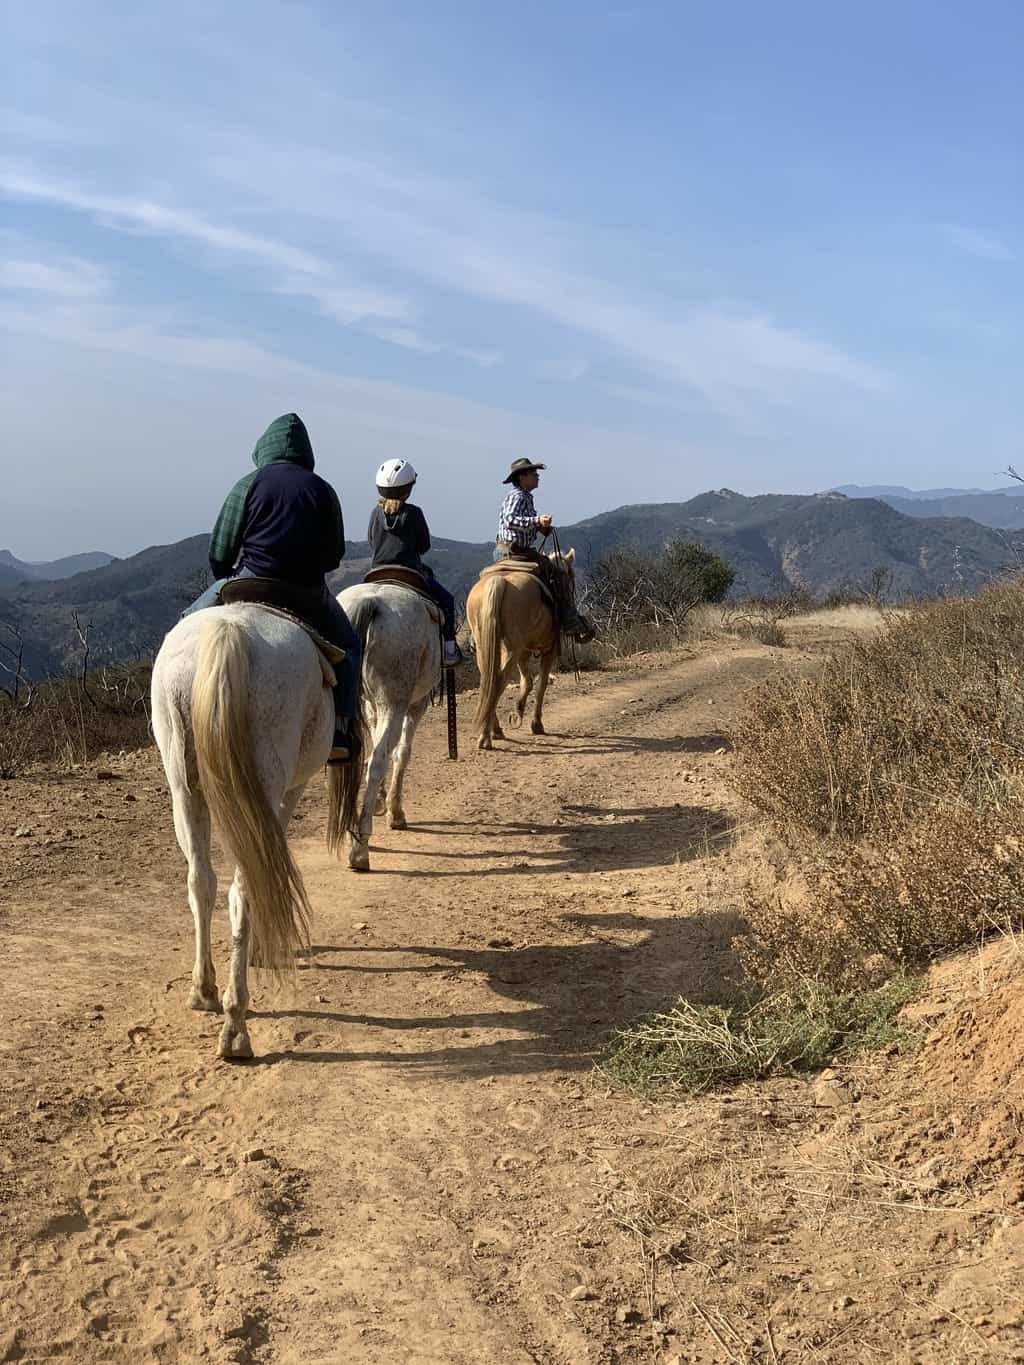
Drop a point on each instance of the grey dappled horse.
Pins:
(401, 666)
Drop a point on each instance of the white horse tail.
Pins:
(362, 614)
(488, 649)
(278, 905)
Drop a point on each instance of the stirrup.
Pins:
(578, 628)
(341, 749)
(452, 662)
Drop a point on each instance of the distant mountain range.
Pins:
(896, 490)
(1002, 508)
(18, 570)
(821, 543)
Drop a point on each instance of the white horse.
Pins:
(243, 720)
(401, 666)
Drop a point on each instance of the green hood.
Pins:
(285, 439)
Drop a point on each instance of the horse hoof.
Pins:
(234, 1044)
(484, 743)
(397, 820)
(198, 1001)
(359, 860)
(380, 807)
(537, 728)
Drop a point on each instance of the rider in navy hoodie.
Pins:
(283, 521)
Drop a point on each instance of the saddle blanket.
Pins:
(399, 577)
(527, 566)
(327, 653)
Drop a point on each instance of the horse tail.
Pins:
(278, 906)
(488, 649)
(344, 779)
(362, 614)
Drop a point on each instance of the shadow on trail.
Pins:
(570, 996)
(607, 839)
(525, 745)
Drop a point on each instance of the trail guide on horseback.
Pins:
(520, 606)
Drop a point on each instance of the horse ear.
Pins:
(569, 555)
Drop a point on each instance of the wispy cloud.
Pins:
(447, 236)
(296, 272)
(64, 276)
(984, 245)
(142, 215)
(412, 340)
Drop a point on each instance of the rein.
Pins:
(572, 642)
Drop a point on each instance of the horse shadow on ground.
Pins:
(546, 1006)
(570, 996)
(532, 746)
(589, 839)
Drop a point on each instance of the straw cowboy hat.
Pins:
(522, 467)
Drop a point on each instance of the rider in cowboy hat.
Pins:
(398, 534)
(518, 525)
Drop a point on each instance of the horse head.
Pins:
(565, 563)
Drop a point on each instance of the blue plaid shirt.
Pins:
(517, 522)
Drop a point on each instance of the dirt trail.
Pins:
(419, 1166)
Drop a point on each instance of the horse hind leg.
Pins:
(234, 1043)
(493, 728)
(400, 762)
(525, 688)
(385, 734)
(537, 724)
(192, 828)
(380, 806)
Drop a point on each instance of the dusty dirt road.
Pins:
(420, 1165)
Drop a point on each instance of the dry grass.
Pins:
(695, 1048)
(897, 774)
(69, 721)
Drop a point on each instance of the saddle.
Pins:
(527, 566)
(292, 603)
(398, 576)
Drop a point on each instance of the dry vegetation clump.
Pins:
(761, 617)
(696, 1048)
(71, 720)
(929, 711)
(896, 778)
(896, 774)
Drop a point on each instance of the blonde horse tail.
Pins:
(278, 906)
(343, 782)
(488, 650)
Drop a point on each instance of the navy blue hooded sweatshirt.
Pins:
(282, 521)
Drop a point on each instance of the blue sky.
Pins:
(662, 246)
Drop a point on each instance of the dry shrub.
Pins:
(694, 1048)
(68, 721)
(930, 709)
(897, 771)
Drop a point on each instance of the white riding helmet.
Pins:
(396, 474)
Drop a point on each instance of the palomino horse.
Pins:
(243, 720)
(511, 618)
(401, 666)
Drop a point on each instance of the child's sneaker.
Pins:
(453, 655)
